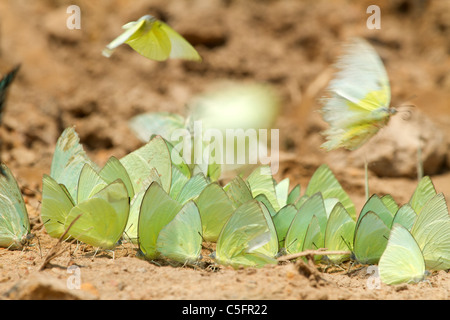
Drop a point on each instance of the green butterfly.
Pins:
(156, 211)
(14, 223)
(402, 261)
(338, 233)
(135, 206)
(181, 239)
(427, 246)
(432, 232)
(104, 212)
(282, 220)
(247, 239)
(215, 209)
(154, 40)
(370, 238)
(298, 237)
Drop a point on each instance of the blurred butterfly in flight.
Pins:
(360, 95)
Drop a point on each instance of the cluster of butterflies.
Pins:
(170, 210)
(153, 198)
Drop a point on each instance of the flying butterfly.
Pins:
(154, 40)
(360, 94)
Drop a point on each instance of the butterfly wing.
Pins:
(131, 29)
(181, 238)
(192, 189)
(339, 232)
(157, 210)
(244, 233)
(376, 205)
(14, 223)
(370, 238)
(180, 48)
(68, 161)
(215, 209)
(324, 181)
(424, 191)
(89, 183)
(238, 191)
(104, 217)
(56, 206)
(113, 170)
(296, 233)
(432, 232)
(282, 220)
(359, 98)
(151, 41)
(405, 216)
(140, 164)
(261, 182)
(402, 261)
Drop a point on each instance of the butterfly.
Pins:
(181, 239)
(402, 261)
(153, 39)
(360, 94)
(104, 208)
(14, 223)
(248, 238)
(338, 233)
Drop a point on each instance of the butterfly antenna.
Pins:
(346, 244)
(290, 244)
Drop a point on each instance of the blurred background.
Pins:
(288, 44)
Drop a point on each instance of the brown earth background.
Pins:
(64, 80)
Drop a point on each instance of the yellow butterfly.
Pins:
(153, 39)
(360, 94)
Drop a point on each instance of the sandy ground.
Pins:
(64, 81)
